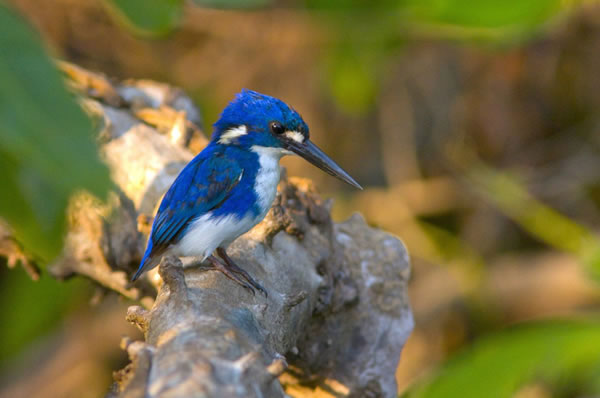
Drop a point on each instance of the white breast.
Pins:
(267, 176)
(205, 234)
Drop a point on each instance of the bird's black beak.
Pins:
(314, 155)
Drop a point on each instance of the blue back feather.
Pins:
(209, 183)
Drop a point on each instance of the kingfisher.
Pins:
(230, 186)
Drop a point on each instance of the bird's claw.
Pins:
(258, 287)
(250, 280)
(232, 266)
(245, 286)
(238, 275)
(251, 284)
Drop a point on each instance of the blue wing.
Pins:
(203, 185)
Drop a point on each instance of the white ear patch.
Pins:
(232, 133)
(294, 136)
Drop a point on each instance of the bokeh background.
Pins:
(474, 127)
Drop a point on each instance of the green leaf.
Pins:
(32, 315)
(47, 150)
(236, 4)
(494, 20)
(541, 221)
(148, 17)
(352, 77)
(486, 13)
(497, 366)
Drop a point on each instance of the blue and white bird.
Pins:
(229, 187)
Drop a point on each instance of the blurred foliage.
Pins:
(35, 309)
(46, 143)
(380, 27)
(353, 65)
(148, 17)
(497, 366)
(159, 17)
(352, 80)
(516, 16)
(361, 44)
(540, 220)
(450, 250)
(232, 4)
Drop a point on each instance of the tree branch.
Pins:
(337, 313)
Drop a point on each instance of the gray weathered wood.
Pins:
(337, 314)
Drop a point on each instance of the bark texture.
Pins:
(337, 313)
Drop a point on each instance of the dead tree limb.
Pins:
(337, 313)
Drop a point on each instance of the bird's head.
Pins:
(256, 121)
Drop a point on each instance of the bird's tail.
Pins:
(148, 262)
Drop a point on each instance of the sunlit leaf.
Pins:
(497, 366)
(232, 3)
(353, 80)
(149, 17)
(47, 149)
(540, 220)
(350, 5)
(159, 17)
(486, 13)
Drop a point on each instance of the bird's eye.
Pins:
(276, 128)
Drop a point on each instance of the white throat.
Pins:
(267, 176)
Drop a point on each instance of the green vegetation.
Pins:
(47, 148)
(153, 18)
(497, 366)
(38, 307)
